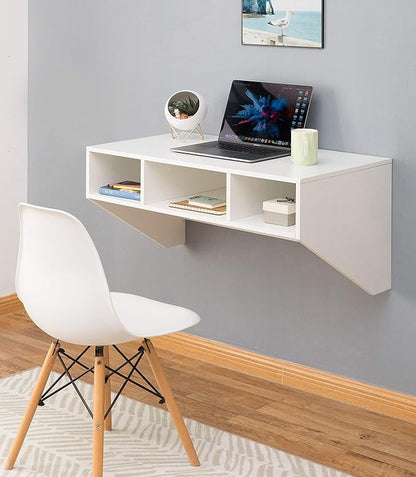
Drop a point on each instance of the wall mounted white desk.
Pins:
(343, 204)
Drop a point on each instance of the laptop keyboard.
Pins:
(242, 148)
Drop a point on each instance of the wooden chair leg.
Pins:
(166, 391)
(98, 412)
(108, 424)
(33, 403)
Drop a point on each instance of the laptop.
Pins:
(257, 122)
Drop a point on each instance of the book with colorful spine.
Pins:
(124, 190)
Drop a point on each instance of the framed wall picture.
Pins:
(282, 23)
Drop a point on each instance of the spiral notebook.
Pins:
(183, 204)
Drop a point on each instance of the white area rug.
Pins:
(144, 441)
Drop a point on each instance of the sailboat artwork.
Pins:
(283, 23)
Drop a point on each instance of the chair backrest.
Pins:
(61, 281)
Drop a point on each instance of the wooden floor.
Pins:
(344, 437)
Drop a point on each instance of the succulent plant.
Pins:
(187, 107)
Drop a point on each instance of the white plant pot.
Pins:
(192, 122)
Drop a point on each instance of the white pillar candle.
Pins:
(304, 147)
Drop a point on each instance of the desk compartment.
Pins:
(247, 195)
(164, 183)
(106, 169)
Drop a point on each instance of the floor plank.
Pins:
(360, 442)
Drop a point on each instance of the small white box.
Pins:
(279, 213)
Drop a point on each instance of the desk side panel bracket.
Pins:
(346, 221)
(165, 230)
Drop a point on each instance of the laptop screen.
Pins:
(264, 113)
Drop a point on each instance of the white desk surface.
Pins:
(157, 149)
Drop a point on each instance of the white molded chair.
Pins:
(62, 284)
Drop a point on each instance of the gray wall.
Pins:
(100, 71)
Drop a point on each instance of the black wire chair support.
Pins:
(133, 361)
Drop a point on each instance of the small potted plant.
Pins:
(184, 111)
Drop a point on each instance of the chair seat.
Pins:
(146, 318)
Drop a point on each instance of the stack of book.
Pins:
(124, 190)
(202, 203)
